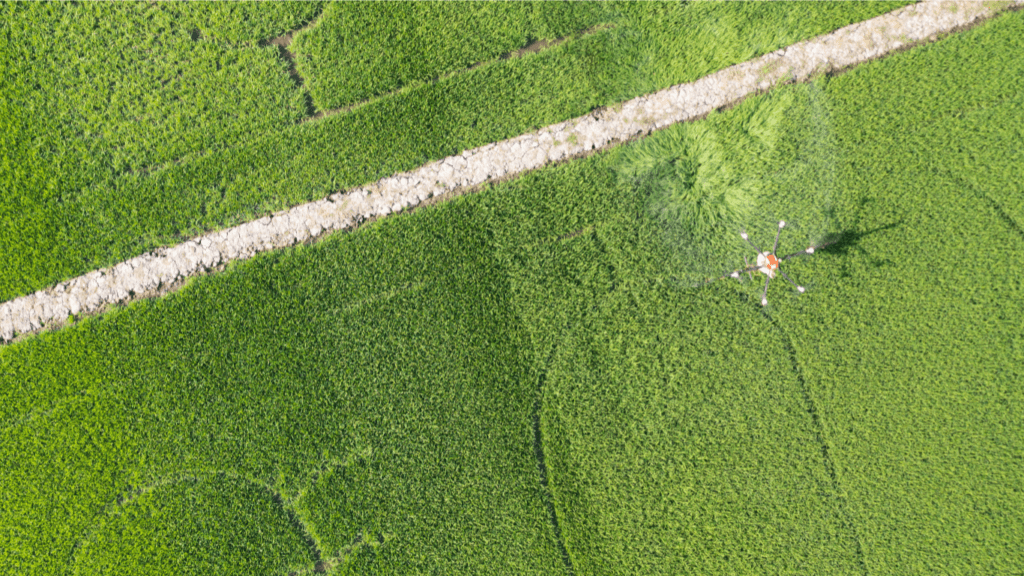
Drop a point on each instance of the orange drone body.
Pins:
(767, 263)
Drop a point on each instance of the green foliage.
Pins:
(245, 21)
(665, 450)
(770, 159)
(96, 91)
(914, 353)
(679, 446)
(693, 192)
(145, 135)
(216, 524)
(58, 467)
(385, 384)
(359, 50)
(394, 349)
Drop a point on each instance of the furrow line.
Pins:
(826, 454)
(161, 270)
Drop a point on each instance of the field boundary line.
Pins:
(533, 47)
(163, 270)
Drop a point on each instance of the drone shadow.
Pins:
(849, 240)
(842, 242)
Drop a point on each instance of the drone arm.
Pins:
(747, 238)
(777, 234)
(741, 271)
(809, 250)
(764, 295)
(799, 288)
(804, 252)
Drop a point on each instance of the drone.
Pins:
(768, 263)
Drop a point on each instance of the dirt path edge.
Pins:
(164, 270)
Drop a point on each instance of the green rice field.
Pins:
(534, 379)
(167, 120)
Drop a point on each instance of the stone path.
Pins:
(158, 271)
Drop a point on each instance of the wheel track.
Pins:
(548, 495)
(320, 562)
(819, 432)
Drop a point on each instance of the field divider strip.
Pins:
(162, 270)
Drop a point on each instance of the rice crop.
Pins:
(186, 142)
(360, 50)
(769, 160)
(94, 92)
(517, 382)
(903, 356)
(317, 407)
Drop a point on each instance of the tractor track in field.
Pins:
(994, 204)
(548, 495)
(531, 48)
(819, 431)
(160, 271)
(313, 114)
(321, 563)
(283, 44)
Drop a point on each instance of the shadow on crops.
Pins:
(849, 240)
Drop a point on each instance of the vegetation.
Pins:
(904, 355)
(245, 22)
(922, 406)
(130, 184)
(373, 383)
(763, 163)
(359, 50)
(194, 526)
(419, 395)
(676, 428)
(93, 92)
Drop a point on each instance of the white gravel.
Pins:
(844, 47)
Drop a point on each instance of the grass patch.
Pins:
(771, 159)
(215, 524)
(923, 400)
(93, 92)
(246, 22)
(894, 408)
(316, 372)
